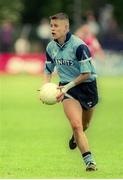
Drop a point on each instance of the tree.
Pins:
(32, 11)
(35, 10)
(10, 10)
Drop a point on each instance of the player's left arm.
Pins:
(81, 78)
(84, 56)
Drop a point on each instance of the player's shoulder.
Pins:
(77, 41)
(50, 45)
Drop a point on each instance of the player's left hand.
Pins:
(60, 96)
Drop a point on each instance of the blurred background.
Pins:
(34, 137)
(25, 32)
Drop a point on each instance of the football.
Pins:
(48, 93)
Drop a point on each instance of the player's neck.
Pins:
(61, 40)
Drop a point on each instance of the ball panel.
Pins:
(48, 93)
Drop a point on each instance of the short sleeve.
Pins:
(84, 57)
(49, 64)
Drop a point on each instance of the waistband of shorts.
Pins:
(64, 83)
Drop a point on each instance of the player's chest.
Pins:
(63, 54)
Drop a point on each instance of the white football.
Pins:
(48, 93)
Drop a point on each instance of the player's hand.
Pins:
(60, 96)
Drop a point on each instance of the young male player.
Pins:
(72, 59)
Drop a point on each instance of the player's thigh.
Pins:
(87, 116)
(73, 111)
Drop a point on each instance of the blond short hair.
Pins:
(61, 16)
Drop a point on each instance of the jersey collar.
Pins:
(68, 36)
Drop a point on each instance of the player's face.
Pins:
(59, 28)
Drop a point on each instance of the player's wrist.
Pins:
(68, 86)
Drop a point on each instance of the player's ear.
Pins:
(67, 26)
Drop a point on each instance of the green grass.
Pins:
(34, 137)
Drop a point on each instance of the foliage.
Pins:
(10, 10)
(32, 11)
(118, 12)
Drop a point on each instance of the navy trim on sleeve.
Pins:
(82, 52)
(48, 57)
(48, 69)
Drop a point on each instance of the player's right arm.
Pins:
(46, 78)
(49, 67)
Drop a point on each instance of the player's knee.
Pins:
(77, 128)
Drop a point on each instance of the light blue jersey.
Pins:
(71, 59)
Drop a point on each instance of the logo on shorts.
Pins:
(89, 103)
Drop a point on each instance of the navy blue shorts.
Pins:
(86, 93)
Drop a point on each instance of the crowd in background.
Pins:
(102, 30)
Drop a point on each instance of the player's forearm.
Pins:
(47, 78)
(81, 78)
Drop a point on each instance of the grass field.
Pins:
(34, 137)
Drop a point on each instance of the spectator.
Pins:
(92, 23)
(90, 39)
(22, 44)
(6, 36)
(43, 32)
